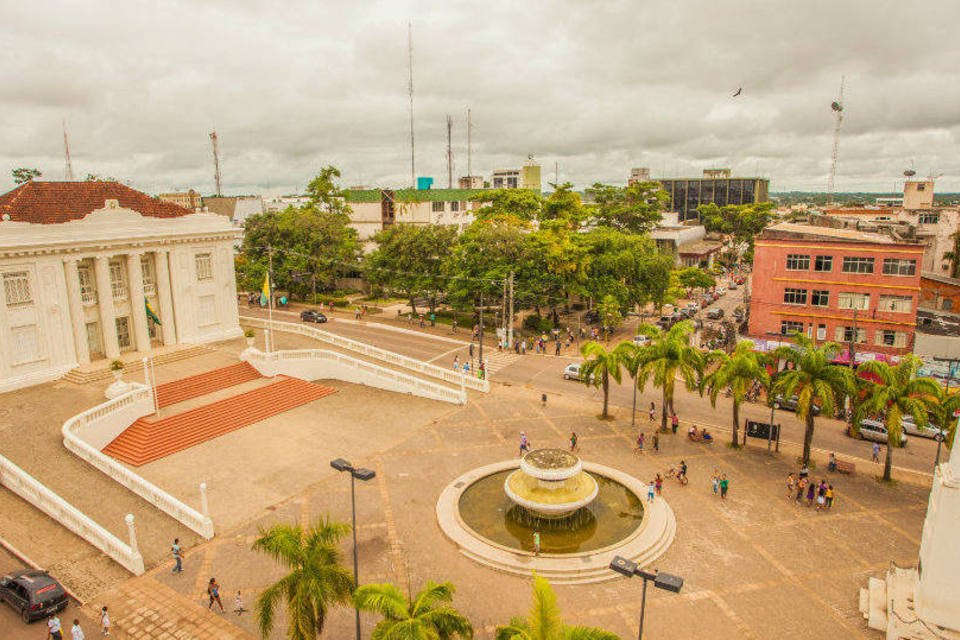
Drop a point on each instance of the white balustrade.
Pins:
(120, 413)
(65, 514)
(425, 368)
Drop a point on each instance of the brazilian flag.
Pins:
(151, 313)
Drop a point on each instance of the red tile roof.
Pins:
(42, 202)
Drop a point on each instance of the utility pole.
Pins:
(951, 365)
(469, 144)
(481, 330)
(449, 153)
(503, 308)
(216, 160)
(413, 172)
(269, 336)
(853, 341)
(68, 164)
(556, 173)
(510, 316)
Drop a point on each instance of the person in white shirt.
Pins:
(76, 632)
(105, 621)
(53, 628)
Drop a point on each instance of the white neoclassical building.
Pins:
(80, 262)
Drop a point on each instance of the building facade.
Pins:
(839, 285)
(716, 186)
(376, 209)
(189, 199)
(940, 292)
(81, 262)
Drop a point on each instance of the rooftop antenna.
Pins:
(469, 144)
(68, 164)
(449, 153)
(837, 107)
(413, 172)
(216, 160)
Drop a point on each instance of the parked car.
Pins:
(34, 594)
(312, 315)
(572, 372)
(790, 404)
(592, 316)
(715, 313)
(720, 291)
(877, 431)
(665, 322)
(928, 431)
(694, 305)
(732, 286)
(641, 340)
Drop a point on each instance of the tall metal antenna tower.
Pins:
(469, 145)
(837, 107)
(216, 160)
(68, 164)
(449, 152)
(413, 171)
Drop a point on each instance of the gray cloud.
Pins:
(597, 87)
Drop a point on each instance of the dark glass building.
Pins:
(716, 185)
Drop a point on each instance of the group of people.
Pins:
(803, 487)
(213, 587)
(465, 367)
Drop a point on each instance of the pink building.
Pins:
(838, 285)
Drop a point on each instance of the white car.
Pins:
(641, 340)
(572, 372)
(928, 431)
(877, 431)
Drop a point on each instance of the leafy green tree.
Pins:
(483, 257)
(521, 204)
(409, 260)
(555, 264)
(636, 208)
(625, 265)
(316, 580)
(564, 204)
(943, 414)
(669, 354)
(544, 622)
(696, 278)
(599, 365)
(311, 249)
(94, 177)
(428, 616)
(324, 192)
(24, 174)
(737, 372)
(898, 392)
(610, 315)
(742, 222)
(813, 379)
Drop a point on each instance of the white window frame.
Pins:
(437, 206)
(798, 262)
(118, 280)
(204, 266)
(820, 293)
(794, 297)
(853, 300)
(788, 327)
(840, 334)
(899, 267)
(148, 274)
(16, 289)
(88, 284)
(858, 264)
(895, 304)
(122, 327)
(827, 259)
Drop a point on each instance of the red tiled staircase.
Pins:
(147, 440)
(201, 384)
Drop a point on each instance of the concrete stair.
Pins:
(132, 360)
(177, 391)
(147, 440)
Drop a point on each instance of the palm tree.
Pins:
(899, 392)
(668, 355)
(944, 415)
(316, 579)
(544, 621)
(599, 366)
(738, 372)
(427, 617)
(813, 379)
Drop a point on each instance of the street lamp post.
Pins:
(665, 581)
(342, 465)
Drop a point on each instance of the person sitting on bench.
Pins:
(706, 436)
(692, 433)
(832, 462)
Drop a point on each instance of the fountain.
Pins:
(551, 483)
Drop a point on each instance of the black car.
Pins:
(33, 593)
(311, 315)
(592, 316)
(790, 404)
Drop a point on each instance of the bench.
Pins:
(845, 467)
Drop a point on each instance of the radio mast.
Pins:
(68, 164)
(413, 171)
(216, 160)
(837, 108)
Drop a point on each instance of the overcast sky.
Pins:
(597, 87)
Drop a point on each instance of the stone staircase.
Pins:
(177, 391)
(101, 369)
(147, 440)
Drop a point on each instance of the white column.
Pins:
(164, 296)
(108, 323)
(75, 302)
(137, 305)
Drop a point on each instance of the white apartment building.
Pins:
(376, 209)
(80, 262)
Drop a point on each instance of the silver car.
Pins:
(927, 431)
(877, 431)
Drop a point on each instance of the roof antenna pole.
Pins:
(449, 153)
(68, 164)
(837, 108)
(469, 146)
(413, 172)
(216, 160)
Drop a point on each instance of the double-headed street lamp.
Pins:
(660, 580)
(355, 474)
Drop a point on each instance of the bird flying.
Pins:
(738, 92)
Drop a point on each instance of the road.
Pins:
(543, 374)
(13, 628)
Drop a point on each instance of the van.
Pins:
(877, 431)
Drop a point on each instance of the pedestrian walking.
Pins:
(421, 320)
(573, 441)
(557, 349)
(453, 326)
(682, 475)
(674, 422)
(811, 493)
(791, 483)
(822, 495)
(433, 319)
(876, 452)
(724, 486)
(829, 496)
(652, 412)
(658, 481)
(536, 542)
(804, 472)
(54, 630)
(656, 442)
(801, 485)
(238, 603)
(213, 592)
(76, 633)
(524, 444)
(456, 363)
(177, 556)
(715, 482)
(651, 490)
(104, 621)
(471, 351)
(640, 439)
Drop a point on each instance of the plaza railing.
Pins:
(297, 362)
(65, 514)
(101, 424)
(376, 353)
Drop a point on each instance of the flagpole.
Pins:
(270, 298)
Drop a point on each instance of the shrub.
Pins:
(116, 365)
(537, 324)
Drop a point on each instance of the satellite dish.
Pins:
(909, 173)
(836, 106)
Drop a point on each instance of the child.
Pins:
(715, 481)
(640, 442)
(573, 441)
(651, 491)
(790, 485)
(104, 621)
(659, 483)
(238, 603)
(724, 486)
(829, 496)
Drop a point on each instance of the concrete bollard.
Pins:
(133, 534)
